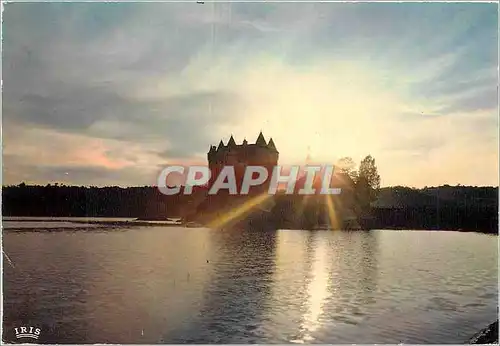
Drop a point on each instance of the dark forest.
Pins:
(464, 208)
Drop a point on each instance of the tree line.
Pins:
(443, 207)
(81, 201)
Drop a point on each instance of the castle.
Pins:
(295, 210)
(250, 154)
(239, 156)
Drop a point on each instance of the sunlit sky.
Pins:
(107, 94)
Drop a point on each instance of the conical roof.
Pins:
(261, 140)
(231, 142)
(271, 144)
(221, 145)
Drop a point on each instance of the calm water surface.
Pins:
(185, 285)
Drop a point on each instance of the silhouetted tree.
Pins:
(368, 170)
(367, 186)
(348, 166)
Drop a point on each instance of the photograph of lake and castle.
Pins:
(250, 173)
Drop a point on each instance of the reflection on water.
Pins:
(335, 277)
(238, 295)
(317, 288)
(172, 285)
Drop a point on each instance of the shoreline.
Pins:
(488, 335)
(143, 222)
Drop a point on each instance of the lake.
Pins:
(186, 285)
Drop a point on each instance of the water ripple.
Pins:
(168, 285)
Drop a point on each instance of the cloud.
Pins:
(101, 88)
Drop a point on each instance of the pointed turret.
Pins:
(221, 145)
(245, 142)
(261, 140)
(231, 143)
(212, 149)
(271, 144)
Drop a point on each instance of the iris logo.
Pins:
(27, 332)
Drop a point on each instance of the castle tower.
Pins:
(261, 153)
